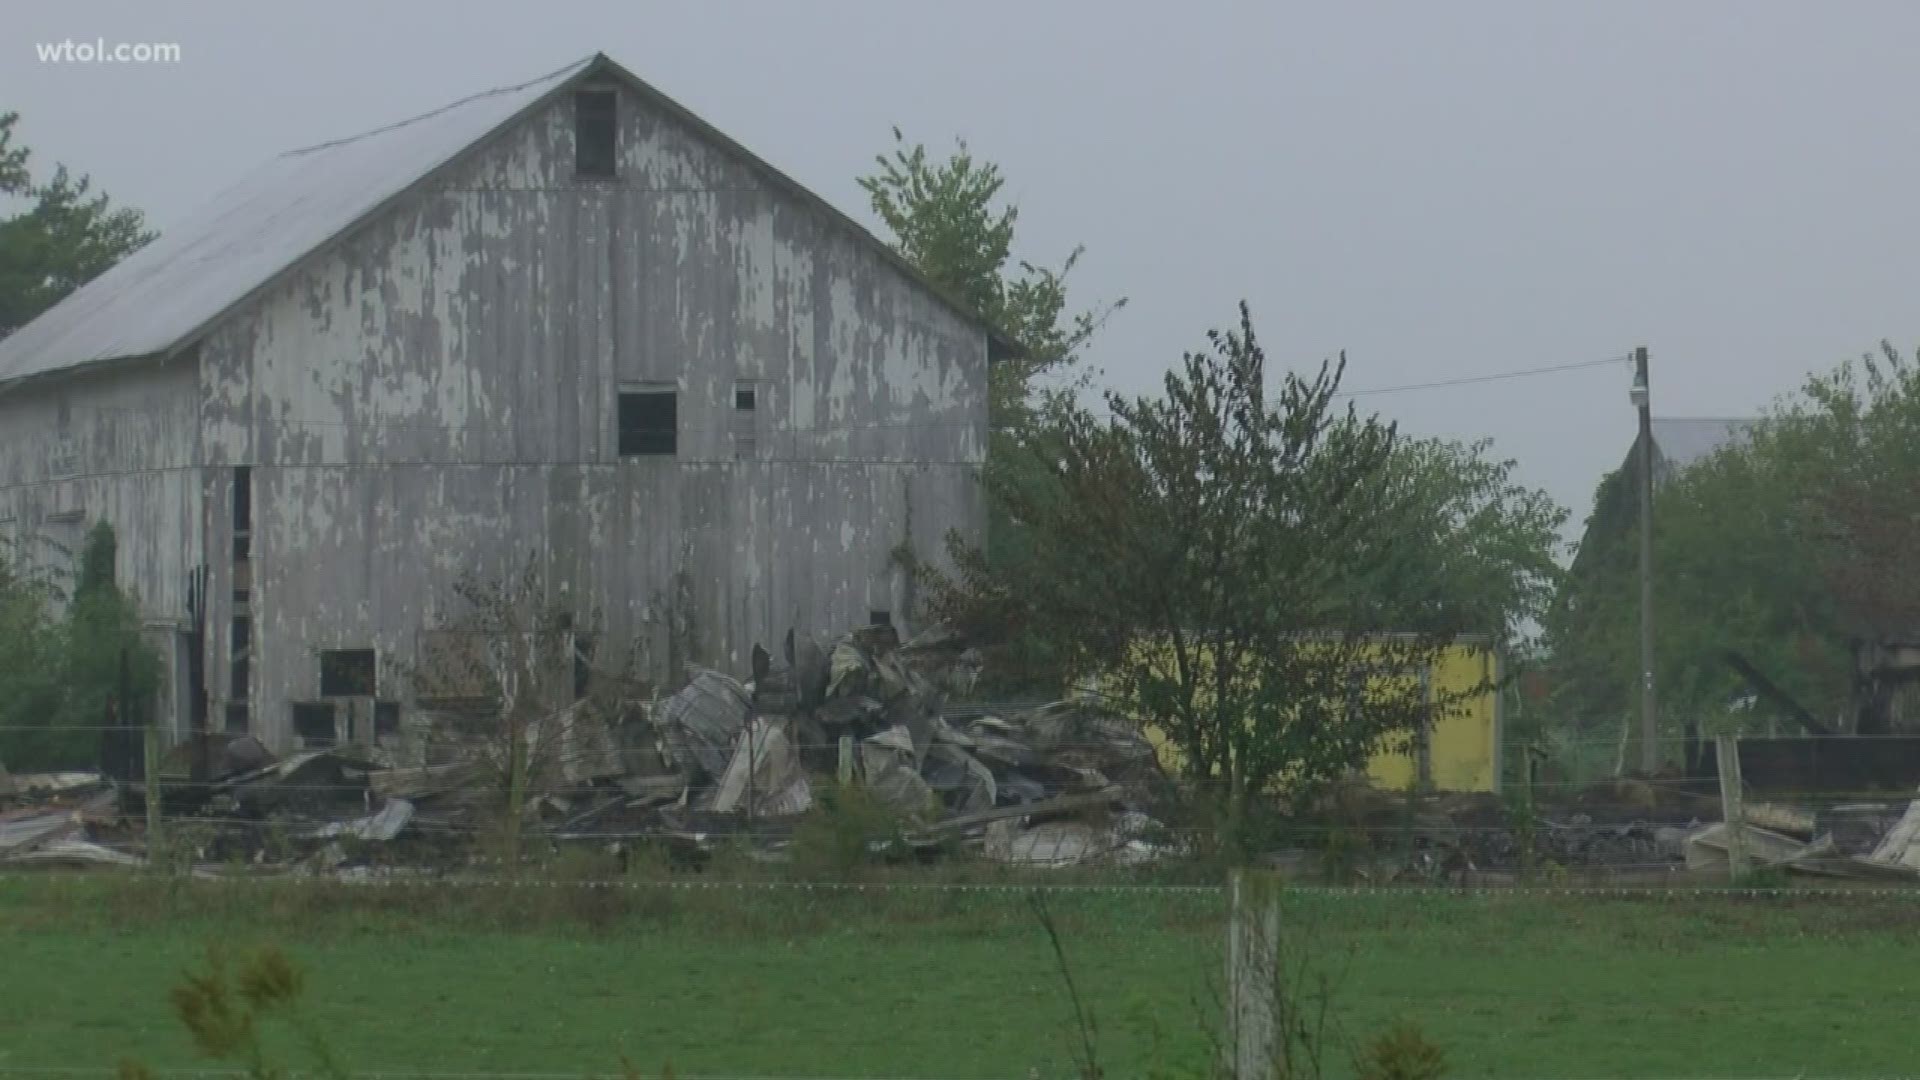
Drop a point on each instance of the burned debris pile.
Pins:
(875, 711)
(719, 760)
(1875, 841)
(723, 761)
(1632, 828)
(57, 819)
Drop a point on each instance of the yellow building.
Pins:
(1458, 751)
(1461, 750)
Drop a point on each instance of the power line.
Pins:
(1467, 380)
(795, 433)
(1471, 380)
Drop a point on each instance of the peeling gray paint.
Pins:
(438, 393)
(121, 447)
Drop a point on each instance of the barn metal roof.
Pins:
(161, 297)
(1685, 440)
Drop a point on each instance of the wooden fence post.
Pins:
(150, 764)
(1253, 978)
(845, 774)
(1732, 811)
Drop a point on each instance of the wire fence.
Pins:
(1690, 785)
(424, 1074)
(1643, 834)
(694, 885)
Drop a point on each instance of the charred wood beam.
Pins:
(1779, 698)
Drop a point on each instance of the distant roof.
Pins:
(1685, 440)
(161, 297)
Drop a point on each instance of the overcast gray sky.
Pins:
(1442, 190)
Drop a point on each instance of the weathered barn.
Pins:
(565, 320)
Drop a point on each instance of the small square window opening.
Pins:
(347, 673)
(313, 724)
(649, 423)
(744, 398)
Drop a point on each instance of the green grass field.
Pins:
(923, 983)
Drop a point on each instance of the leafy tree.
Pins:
(61, 680)
(947, 220)
(103, 640)
(1487, 564)
(29, 668)
(1854, 448)
(67, 236)
(514, 683)
(1209, 551)
(228, 1012)
(14, 177)
(1785, 550)
(1463, 546)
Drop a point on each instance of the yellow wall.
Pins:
(1464, 754)
(1465, 745)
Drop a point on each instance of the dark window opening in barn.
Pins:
(649, 423)
(877, 617)
(237, 717)
(347, 673)
(242, 533)
(594, 125)
(744, 398)
(582, 667)
(242, 499)
(242, 581)
(386, 719)
(240, 658)
(313, 724)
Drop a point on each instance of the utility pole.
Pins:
(1649, 704)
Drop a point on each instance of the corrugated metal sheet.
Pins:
(163, 294)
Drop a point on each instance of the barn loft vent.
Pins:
(744, 397)
(594, 127)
